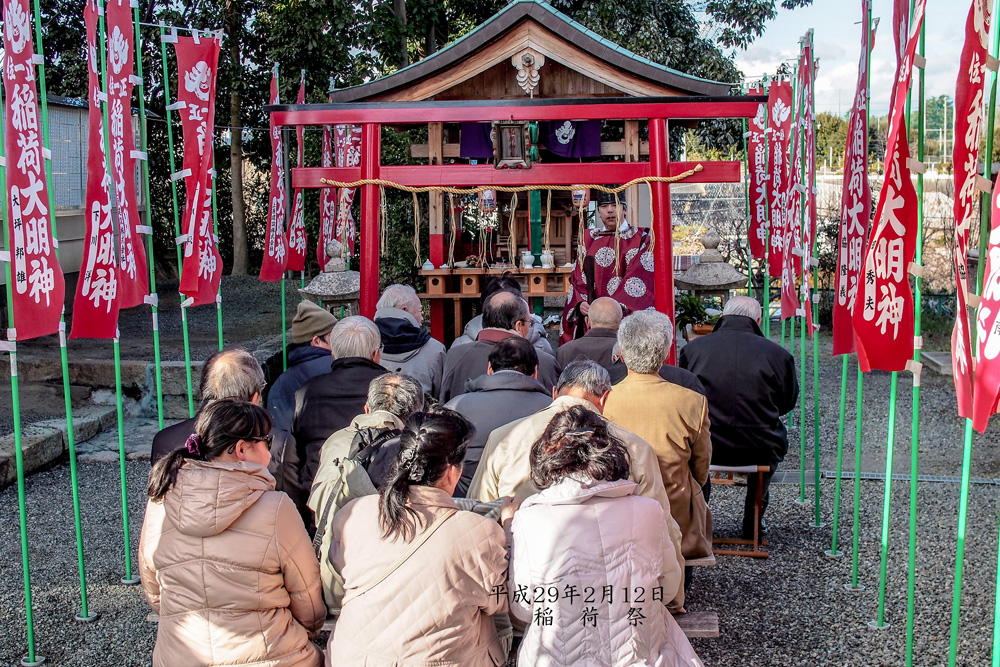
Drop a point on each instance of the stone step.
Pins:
(939, 362)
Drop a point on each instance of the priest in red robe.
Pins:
(617, 265)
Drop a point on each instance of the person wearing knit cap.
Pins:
(618, 264)
(308, 356)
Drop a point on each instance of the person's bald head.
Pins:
(605, 313)
(232, 373)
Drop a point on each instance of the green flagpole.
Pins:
(767, 231)
(817, 523)
(859, 392)
(177, 220)
(985, 223)
(143, 146)
(804, 291)
(833, 552)
(858, 435)
(85, 614)
(128, 578)
(915, 423)
(32, 657)
(880, 624)
(215, 231)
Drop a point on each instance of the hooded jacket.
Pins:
(750, 383)
(304, 363)
(536, 336)
(505, 469)
(588, 537)
(227, 564)
(409, 349)
(436, 607)
(493, 401)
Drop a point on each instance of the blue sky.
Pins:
(838, 46)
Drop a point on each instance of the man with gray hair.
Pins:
(750, 384)
(505, 468)
(603, 319)
(328, 402)
(672, 419)
(392, 398)
(235, 374)
(406, 346)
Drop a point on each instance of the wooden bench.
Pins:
(697, 624)
(716, 475)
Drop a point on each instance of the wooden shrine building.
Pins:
(529, 63)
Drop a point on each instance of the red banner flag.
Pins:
(968, 128)
(807, 122)
(757, 173)
(348, 147)
(297, 227)
(95, 309)
(883, 314)
(327, 201)
(39, 288)
(134, 274)
(779, 122)
(987, 392)
(275, 251)
(855, 203)
(197, 62)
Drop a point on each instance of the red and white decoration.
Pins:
(883, 313)
(779, 122)
(327, 201)
(807, 182)
(197, 63)
(275, 249)
(134, 274)
(38, 287)
(855, 205)
(969, 123)
(987, 386)
(297, 225)
(757, 173)
(348, 149)
(96, 305)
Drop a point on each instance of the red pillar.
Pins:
(371, 143)
(663, 272)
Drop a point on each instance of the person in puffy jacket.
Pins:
(421, 579)
(591, 561)
(224, 559)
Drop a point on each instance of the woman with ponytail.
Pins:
(225, 560)
(421, 579)
(587, 532)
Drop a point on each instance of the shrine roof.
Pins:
(568, 30)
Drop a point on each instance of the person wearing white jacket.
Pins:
(590, 560)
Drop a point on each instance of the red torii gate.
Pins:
(372, 115)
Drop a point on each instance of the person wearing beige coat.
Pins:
(671, 418)
(421, 579)
(224, 559)
(506, 471)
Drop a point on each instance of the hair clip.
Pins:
(193, 444)
(582, 431)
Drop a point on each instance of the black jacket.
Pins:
(328, 403)
(304, 363)
(750, 383)
(596, 344)
(491, 402)
(284, 466)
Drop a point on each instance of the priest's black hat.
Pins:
(609, 197)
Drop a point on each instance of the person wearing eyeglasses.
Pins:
(225, 560)
(235, 374)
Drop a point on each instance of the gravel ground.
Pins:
(790, 609)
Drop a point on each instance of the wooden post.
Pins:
(659, 165)
(438, 247)
(371, 143)
(632, 155)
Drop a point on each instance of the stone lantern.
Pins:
(711, 276)
(336, 289)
